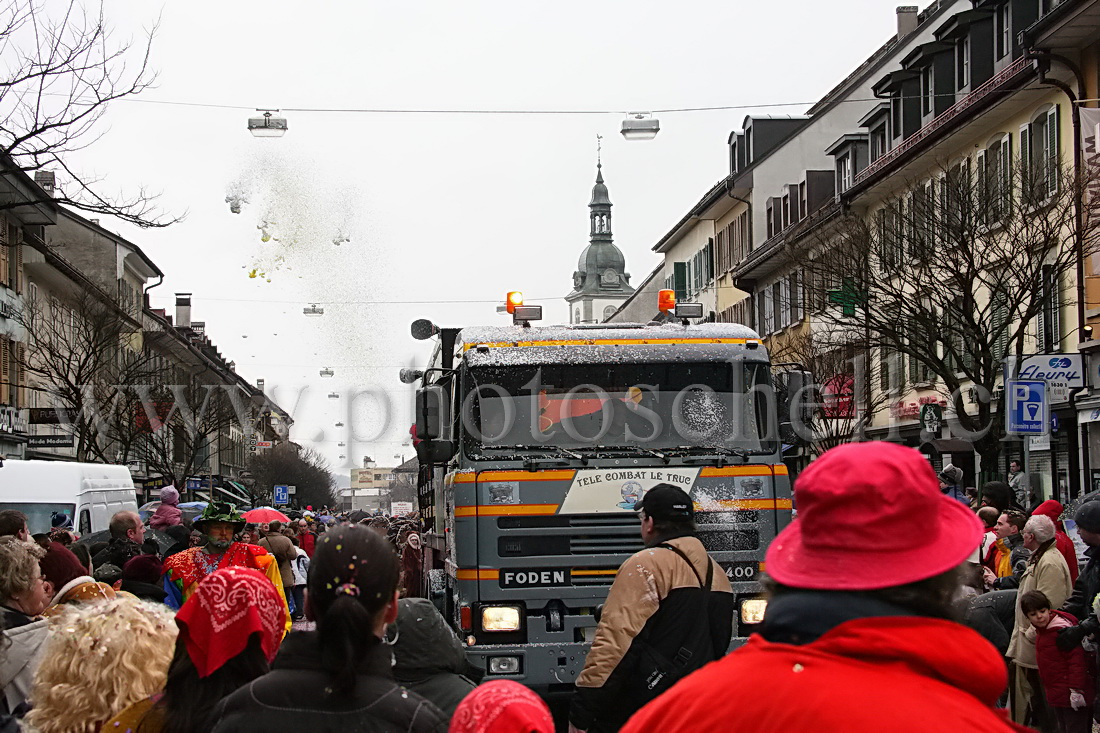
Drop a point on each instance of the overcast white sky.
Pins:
(445, 212)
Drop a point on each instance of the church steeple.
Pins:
(600, 282)
(599, 208)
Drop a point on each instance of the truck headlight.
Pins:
(752, 610)
(500, 618)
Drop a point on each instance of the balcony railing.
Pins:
(950, 114)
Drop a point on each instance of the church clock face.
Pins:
(578, 280)
(609, 277)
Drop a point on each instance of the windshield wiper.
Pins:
(648, 452)
(719, 452)
(558, 448)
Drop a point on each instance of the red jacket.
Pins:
(902, 674)
(307, 541)
(1062, 671)
(1053, 509)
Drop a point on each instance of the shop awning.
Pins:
(947, 445)
(241, 497)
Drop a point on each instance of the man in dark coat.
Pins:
(993, 615)
(127, 534)
(1087, 586)
(428, 658)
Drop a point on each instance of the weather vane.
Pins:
(599, 148)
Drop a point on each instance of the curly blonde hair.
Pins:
(100, 658)
(18, 566)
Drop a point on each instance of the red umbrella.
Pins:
(265, 514)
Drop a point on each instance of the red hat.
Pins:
(851, 502)
(226, 609)
(143, 569)
(61, 566)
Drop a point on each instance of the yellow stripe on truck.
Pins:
(478, 574)
(506, 510)
(484, 476)
(765, 504)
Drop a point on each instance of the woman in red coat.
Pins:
(1053, 509)
(858, 634)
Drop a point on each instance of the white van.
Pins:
(87, 493)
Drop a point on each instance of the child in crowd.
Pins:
(1066, 680)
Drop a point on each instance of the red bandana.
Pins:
(504, 706)
(227, 607)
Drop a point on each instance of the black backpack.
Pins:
(679, 638)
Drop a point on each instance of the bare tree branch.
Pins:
(63, 69)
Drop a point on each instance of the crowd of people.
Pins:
(896, 601)
(134, 636)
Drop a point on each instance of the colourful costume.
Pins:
(184, 570)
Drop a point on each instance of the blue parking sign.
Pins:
(282, 495)
(1028, 410)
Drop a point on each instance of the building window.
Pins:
(895, 112)
(844, 172)
(795, 294)
(1003, 29)
(786, 210)
(1040, 155)
(1050, 321)
(962, 61)
(921, 220)
(890, 225)
(879, 145)
(995, 180)
(771, 219)
(779, 305)
(927, 90)
(802, 201)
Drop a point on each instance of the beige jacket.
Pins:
(643, 581)
(1047, 572)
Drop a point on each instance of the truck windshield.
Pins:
(40, 517)
(666, 407)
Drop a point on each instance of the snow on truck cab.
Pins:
(534, 444)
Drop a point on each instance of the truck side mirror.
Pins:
(430, 406)
(796, 406)
(434, 452)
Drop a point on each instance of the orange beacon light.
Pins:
(666, 300)
(514, 298)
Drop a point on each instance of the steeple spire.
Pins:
(600, 282)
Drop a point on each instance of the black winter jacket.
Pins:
(292, 697)
(430, 658)
(117, 552)
(1079, 603)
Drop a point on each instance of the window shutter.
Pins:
(1000, 326)
(884, 368)
(1055, 311)
(914, 372)
(1025, 164)
(985, 188)
(5, 369)
(1053, 159)
(17, 276)
(768, 316)
(20, 358)
(796, 297)
(1004, 185)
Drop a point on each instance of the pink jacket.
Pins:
(167, 514)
